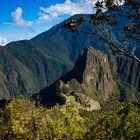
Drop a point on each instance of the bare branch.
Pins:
(103, 23)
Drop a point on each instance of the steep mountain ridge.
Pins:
(98, 76)
(74, 42)
(90, 76)
(126, 72)
(26, 68)
(93, 72)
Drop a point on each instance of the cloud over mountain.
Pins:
(3, 41)
(69, 7)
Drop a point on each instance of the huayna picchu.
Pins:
(99, 76)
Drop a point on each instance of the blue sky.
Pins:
(23, 19)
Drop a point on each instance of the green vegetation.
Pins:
(21, 120)
(30, 71)
(122, 122)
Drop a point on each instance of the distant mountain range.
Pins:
(28, 66)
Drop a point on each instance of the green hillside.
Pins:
(26, 68)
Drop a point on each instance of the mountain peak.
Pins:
(92, 73)
(90, 76)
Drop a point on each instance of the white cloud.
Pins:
(69, 7)
(18, 20)
(3, 41)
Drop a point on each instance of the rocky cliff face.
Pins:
(98, 76)
(126, 73)
(126, 69)
(90, 76)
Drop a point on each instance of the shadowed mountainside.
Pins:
(98, 76)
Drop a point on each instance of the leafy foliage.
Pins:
(122, 122)
(22, 120)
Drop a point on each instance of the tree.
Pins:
(111, 17)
